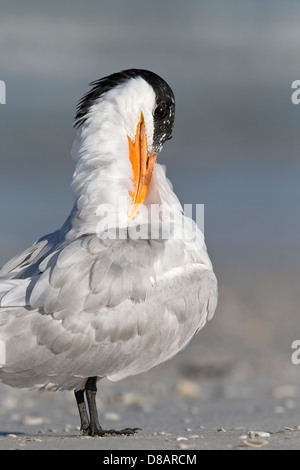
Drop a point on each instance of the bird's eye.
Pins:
(160, 110)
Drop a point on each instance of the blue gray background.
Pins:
(236, 140)
(235, 146)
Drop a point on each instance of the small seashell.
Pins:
(292, 429)
(33, 420)
(32, 439)
(254, 443)
(189, 389)
(185, 446)
(111, 416)
(259, 434)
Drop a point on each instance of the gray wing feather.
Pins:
(87, 309)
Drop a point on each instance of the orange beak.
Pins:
(142, 165)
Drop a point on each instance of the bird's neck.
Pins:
(102, 182)
(103, 170)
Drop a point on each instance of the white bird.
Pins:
(109, 294)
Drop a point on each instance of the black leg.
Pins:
(84, 420)
(91, 391)
(92, 427)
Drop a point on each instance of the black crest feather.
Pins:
(103, 85)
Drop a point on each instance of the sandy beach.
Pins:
(233, 387)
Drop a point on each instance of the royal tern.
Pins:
(106, 295)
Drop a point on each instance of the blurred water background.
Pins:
(235, 146)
